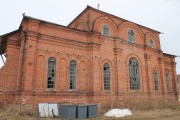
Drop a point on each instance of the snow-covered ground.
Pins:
(118, 113)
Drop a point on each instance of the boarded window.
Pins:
(134, 74)
(106, 77)
(151, 43)
(73, 74)
(131, 36)
(168, 81)
(51, 73)
(156, 85)
(105, 30)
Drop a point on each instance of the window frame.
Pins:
(106, 30)
(131, 36)
(151, 43)
(73, 75)
(48, 73)
(134, 75)
(156, 80)
(107, 77)
(168, 81)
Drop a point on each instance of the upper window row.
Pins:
(131, 35)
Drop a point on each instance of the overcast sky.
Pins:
(161, 15)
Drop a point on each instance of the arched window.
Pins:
(168, 81)
(156, 85)
(105, 30)
(73, 74)
(131, 36)
(106, 77)
(134, 74)
(51, 73)
(151, 43)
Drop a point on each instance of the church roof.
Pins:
(170, 55)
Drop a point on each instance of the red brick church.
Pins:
(98, 58)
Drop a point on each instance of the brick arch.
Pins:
(82, 81)
(140, 70)
(41, 71)
(133, 55)
(63, 82)
(81, 24)
(100, 21)
(106, 61)
(155, 39)
(72, 56)
(82, 64)
(123, 27)
(52, 53)
(155, 68)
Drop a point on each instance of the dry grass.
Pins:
(12, 113)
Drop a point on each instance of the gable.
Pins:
(90, 14)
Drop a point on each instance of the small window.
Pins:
(151, 43)
(131, 36)
(105, 30)
(106, 77)
(51, 73)
(73, 75)
(134, 74)
(168, 81)
(156, 85)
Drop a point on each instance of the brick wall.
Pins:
(9, 72)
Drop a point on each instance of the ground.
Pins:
(158, 114)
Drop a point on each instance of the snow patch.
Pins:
(118, 113)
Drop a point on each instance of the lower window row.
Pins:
(134, 75)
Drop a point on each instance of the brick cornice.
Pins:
(62, 40)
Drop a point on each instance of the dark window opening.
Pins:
(105, 30)
(156, 85)
(151, 43)
(106, 77)
(131, 36)
(73, 74)
(51, 73)
(134, 74)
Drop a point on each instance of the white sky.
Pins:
(161, 15)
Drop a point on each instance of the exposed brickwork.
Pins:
(25, 72)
